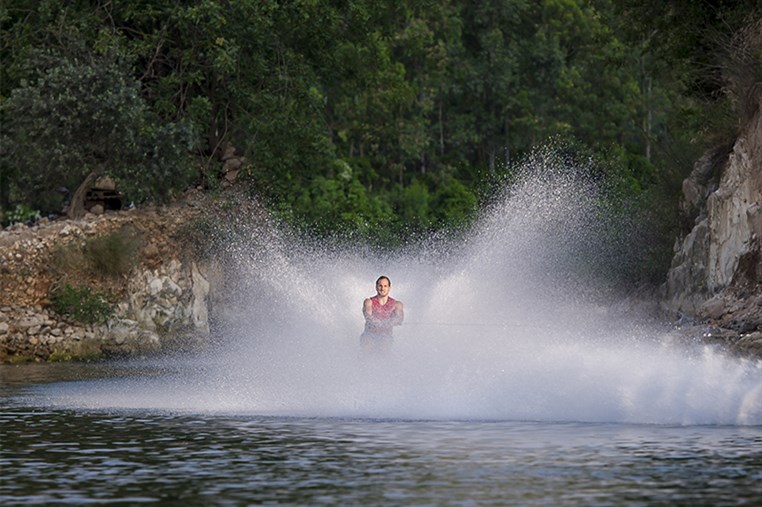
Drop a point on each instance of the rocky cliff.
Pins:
(160, 304)
(716, 274)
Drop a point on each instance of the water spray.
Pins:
(510, 322)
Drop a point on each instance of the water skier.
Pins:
(382, 313)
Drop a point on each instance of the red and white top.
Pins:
(383, 317)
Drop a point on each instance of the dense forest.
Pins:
(366, 118)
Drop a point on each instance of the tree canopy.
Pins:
(353, 115)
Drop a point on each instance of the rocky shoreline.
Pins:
(161, 304)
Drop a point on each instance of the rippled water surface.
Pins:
(57, 455)
(521, 376)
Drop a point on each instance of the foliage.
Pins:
(69, 262)
(342, 205)
(362, 118)
(79, 350)
(103, 258)
(58, 356)
(20, 359)
(20, 214)
(79, 112)
(742, 68)
(454, 205)
(415, 206)
(689, 55)
(200, 236)
(113, 254)
(81, 304)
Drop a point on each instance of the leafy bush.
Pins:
(20, 359)
(101, 257)
(58, 356)
(80, 112)
(68, 262)
(81, 304)
(454, 204)
(414, 206)
(19, 214)
(342, 205)
(113, 254)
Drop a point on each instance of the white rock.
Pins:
(70, 230)
(155, 286)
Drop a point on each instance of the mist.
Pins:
(509, 321)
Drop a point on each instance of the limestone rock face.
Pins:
(165, 296)
(716, 273)
(733, 212)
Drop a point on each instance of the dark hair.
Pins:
(382, 277)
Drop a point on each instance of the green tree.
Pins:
(487, 94)
(454, 204)
(341, 205)
(80, 113)
(358, 114)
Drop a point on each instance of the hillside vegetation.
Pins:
(364, 119)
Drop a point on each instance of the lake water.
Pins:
(520, 377)
(56, 451)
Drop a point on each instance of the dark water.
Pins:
(54, 455)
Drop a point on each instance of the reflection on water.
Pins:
(15, 376)
(58, 455)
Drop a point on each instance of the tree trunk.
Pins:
(77, 206)
(507, 147)
(441, 131)
(649, 117)
(4, 198)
